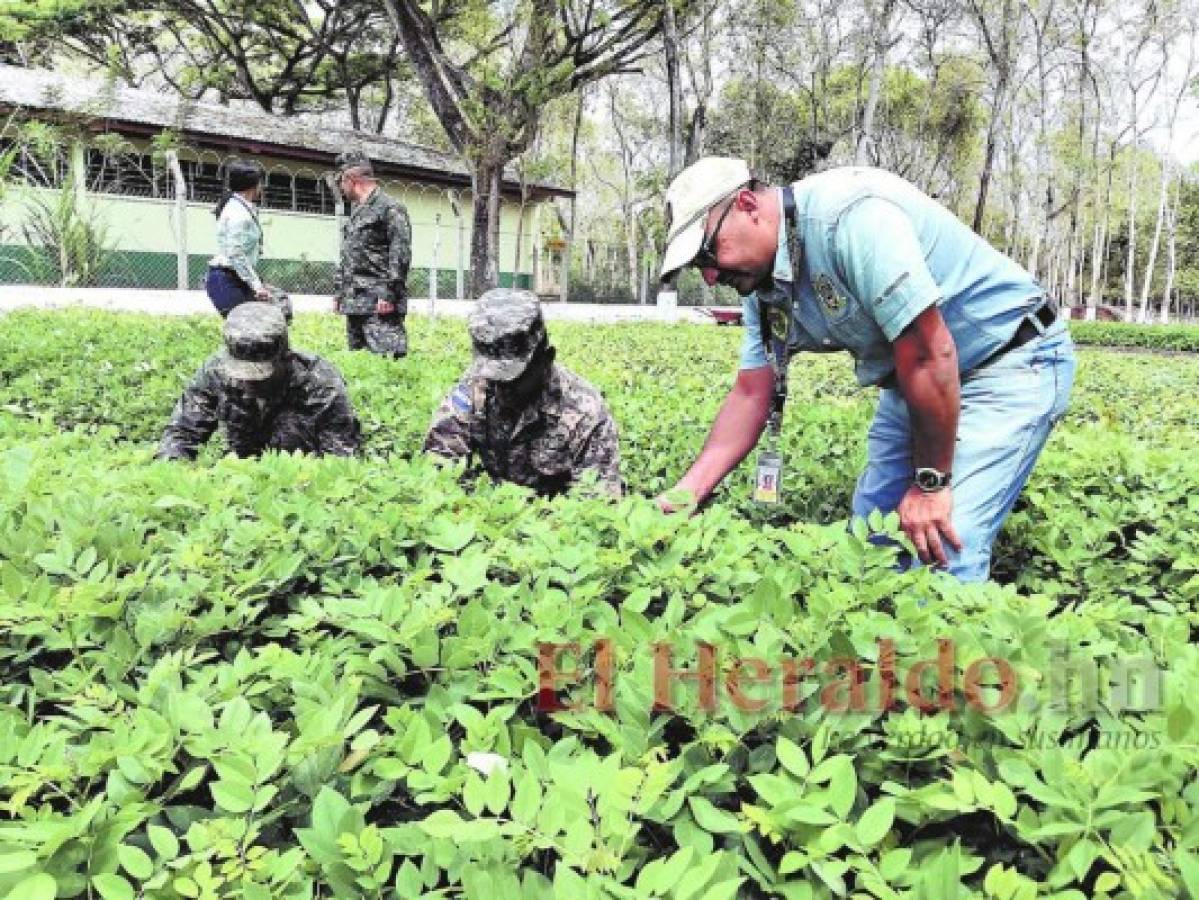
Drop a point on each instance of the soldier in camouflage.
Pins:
(520, 415)
(268, 396)
(371, 288)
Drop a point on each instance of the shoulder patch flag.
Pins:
(460, 399)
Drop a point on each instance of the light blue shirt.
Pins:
(239, 241)
(877, 252)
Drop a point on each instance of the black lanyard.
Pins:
(778, 322)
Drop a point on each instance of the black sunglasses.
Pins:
(706, 257)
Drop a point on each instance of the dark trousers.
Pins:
(226, 290)
(385, 335)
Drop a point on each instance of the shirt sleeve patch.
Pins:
(460, 399)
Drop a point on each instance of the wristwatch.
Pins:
(931, 480)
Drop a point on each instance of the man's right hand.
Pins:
(677, 499)
(734, 433)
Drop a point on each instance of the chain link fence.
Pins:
(109, 214)
(123, 217)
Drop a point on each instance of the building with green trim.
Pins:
(147, 167)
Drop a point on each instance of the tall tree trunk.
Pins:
(484, 234)
(574, 181)
(1163, 200)
(1099, 254)
(1130, 258)
(881, 40)
(984, 180)
(1042, 182)
(1171, 259)
(385, 106)
(630, 243)
(701, 83)
(674, 83)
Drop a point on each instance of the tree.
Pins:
(998, 25)
(881, 42)
(287, 56)
(631, 180)
(489, 99)
(1167, 168)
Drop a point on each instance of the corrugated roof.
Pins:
(122, 108)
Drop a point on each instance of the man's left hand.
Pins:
(384, 307)
(927, 518)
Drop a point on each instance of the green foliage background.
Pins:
(265, 678)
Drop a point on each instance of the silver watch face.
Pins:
(929, 479)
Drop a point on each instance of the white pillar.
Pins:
(181, 217)
(436, 260)
(668, 300)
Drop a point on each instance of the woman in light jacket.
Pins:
(232, 279)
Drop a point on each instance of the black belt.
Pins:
(1032, 326)
(1045, 314)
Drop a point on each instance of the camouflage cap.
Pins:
(353, 159)
(506, 329)
(255, 341)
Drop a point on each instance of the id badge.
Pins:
(770, 472)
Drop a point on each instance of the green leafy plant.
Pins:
(71, 232)
(295, 677)
(1150, 337)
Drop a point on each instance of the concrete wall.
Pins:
(144, 234)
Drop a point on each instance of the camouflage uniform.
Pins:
(376, 250)
(562, 432)
(306, 408)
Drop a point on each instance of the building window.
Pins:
(204, 182)
(297, 193)
(40, 169)
(131, 174)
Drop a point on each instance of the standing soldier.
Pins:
(268, 396)
(523, 417)
(376, 250)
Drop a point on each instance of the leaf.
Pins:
(712, 819)
(15, 862)
(1110, 881)
(810, 814)
(444, 823)
(895, 862)
(876, 822)
(792, 861)
(113, 887)
(1081, 857)
(843, 786)
(792, 757)
(1188, 868)
(498, 790)
(698, 876)
(450, 536)
(474, 794)
(527, 800)
(232, 796)
(164, 842)
(36, 887)
(724, 890)
(135, 861)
